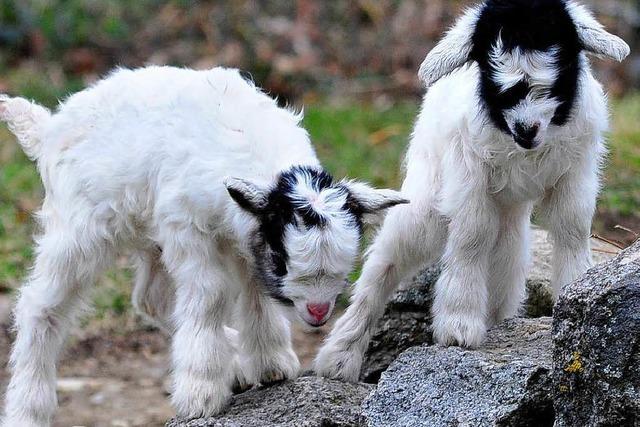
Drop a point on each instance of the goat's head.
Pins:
(529, 56)
(309, 232)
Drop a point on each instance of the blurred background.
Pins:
(352, 65)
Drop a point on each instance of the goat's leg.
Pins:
(460, 307)
(265, 351)
(153, 295)
(412, 235)
(509, 263)
(201, 352)
(567, 211)
(48, 305)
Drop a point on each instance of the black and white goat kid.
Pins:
(142, 161)
(513, 118)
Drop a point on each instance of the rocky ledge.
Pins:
(304, 402)
(579, 369)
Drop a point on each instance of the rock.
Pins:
(505, 383)
(539, 300)
(304, 402)
(596, 346)
(407, 321)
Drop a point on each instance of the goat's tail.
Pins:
(25, 120)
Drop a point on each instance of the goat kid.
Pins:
(220, 194)
(512, 118)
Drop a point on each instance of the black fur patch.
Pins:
(282, 210)
(529, 25)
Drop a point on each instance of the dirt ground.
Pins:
(120, 380)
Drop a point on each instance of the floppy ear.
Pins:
(372, 203)
(452, 51)
(593, 36)
(249, 196)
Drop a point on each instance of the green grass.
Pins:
(621, 193)
(359, 141)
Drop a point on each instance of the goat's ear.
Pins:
(594, 38)
(372, 203)
(249, 196)
(453, 51)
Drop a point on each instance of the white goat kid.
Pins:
(512, 118)
(139, 162)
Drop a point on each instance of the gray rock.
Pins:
(506, 383)
(407, 321)
(596, 346)
(304, 402)
(539, 300)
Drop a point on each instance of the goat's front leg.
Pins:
(266, 353)
(567, 211)
(509, 261)
(201, 352)
(460, 308)
(412, 236)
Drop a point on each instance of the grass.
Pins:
(621, 193)
(359, 141)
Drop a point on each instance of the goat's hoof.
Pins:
(336, 362)
(282, 366)
(196, 397)
(241, 382)
(273, 377)
(240, 387)
(464, 331)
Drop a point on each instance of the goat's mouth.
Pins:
(527, 144)
(314, 324)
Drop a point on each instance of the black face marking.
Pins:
(282, 210)
(530, 25)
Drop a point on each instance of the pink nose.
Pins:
(318, 311)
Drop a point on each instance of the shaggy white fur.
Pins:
(472, 192)
(139, 161)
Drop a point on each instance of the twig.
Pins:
(604, 251)
(628, 230)
(602, 239)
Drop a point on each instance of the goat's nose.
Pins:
(318, 311)
(526, 134)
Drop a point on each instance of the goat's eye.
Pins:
(512, 96)
(279, 264)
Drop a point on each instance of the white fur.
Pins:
(452, 51)
(513, 66)
(139, 162)
(472, 191)
(594, 37)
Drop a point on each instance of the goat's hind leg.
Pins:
(153, 295)
(49, 302)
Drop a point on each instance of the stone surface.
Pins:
(505, 383)
(304, 402)
(407, 319)
(596, 346)
(539, 301)
(406, 323)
